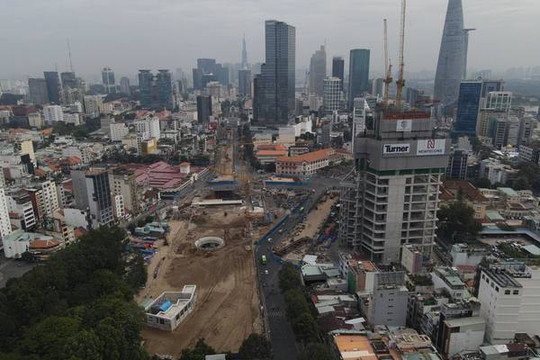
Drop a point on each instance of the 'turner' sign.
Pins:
(396, 148)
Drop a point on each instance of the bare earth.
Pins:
(227, 307)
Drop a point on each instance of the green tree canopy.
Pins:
(456, 221)
(255, 347)
(316, 352)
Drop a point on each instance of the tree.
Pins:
(48, 338)
(457, 220)
(305, 328)
(289, 278)
(255, 347)
(296, 304)
(199, 352)
(521, 183)
(482, 183)
(316, 352)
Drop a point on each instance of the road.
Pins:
(280, 331)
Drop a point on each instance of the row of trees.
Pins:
(255, 347)
(76, 306)
(302, 316)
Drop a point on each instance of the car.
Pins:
(265, 272)
(269, 239)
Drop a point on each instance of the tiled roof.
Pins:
(308, 157)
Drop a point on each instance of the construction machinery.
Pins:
(401, 81)
(387, 67)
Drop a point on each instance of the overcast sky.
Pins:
(131, 34)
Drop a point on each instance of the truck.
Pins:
(264, 261)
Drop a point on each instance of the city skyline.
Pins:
(123, 53)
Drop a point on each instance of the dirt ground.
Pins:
(310, 227)
(227, 306)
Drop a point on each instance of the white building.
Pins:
(119, 209)
(169, 309)
(53, 114)
(148, 128)
(462, 334)
(5, 224)
(118, 131)
(509, 298)
(448, 279)
(499, 100)
(72, 118)
(92, 105)
(21, 209)
(496, 172)
(332, 94)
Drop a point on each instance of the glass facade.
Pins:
(468, 105)
(358, 74)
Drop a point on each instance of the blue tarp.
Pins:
(165, 306)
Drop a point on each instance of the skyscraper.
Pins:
(358, 74)
(451, 67)
(37, 91)
(244, 82)
(338, 68)
(204, 108)
(164, 90)
(275, 88)
(244, 54)
(145, 87)
(54, 87)
(92, 192)
(470, 93)
(69, 80)
(124, 85)
(332, 97)
(317, 72)
(107, 76)
(392, 198)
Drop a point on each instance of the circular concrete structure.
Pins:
(209, 243)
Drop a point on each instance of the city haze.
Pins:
(131, 34)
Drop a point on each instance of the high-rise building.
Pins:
(92, 105)
(451, 67)
(92, 193)
(276, 86)
(392, 197)
(244, 54)
(54, 87)
(53, 114)
(332, 94)
(164, 90)
(457, 165)
(156, 91)
(5, 224)
(358, 74)
(107, 77)
(244, 83)
(377, 87)
(338, 68)
(124, 85)
(69, 80)
(526, 128)
(37, 91)
(468, 105)
(204, 108)
(317, 72)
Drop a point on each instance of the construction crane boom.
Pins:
(387, 68)
(401, 81)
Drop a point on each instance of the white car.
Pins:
(265, 272)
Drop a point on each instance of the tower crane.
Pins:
(401, 81)
(387, 68)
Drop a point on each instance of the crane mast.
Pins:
(401, 81)
(387, 68)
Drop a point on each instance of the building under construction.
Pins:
(390, 199)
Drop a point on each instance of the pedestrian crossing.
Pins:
(276, 314)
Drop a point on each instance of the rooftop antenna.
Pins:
(69, 53)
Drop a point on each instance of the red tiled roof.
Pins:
(271, 153)
(308, 157)
(468, 190)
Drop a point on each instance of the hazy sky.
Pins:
(131, 34)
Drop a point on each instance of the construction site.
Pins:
(210, 245)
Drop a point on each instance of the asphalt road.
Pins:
(280, 331)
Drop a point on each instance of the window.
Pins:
(496, 288)
(516, 292)
(506, 292)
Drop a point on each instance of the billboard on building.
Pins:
(430, 147)
(396, 149)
